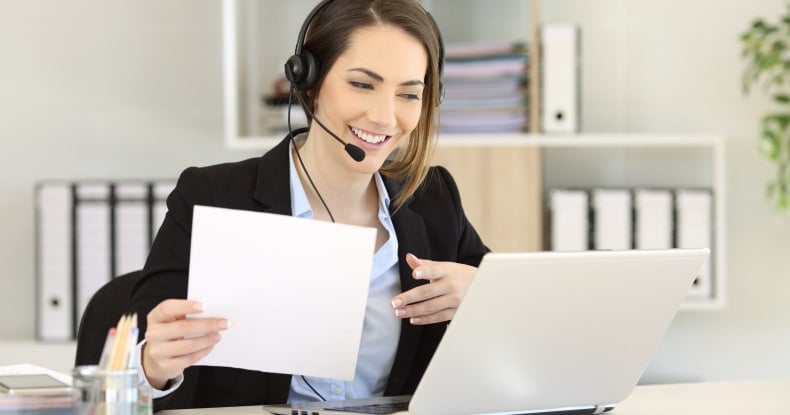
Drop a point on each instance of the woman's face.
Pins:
(372, 95)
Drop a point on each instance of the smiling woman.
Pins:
(368, 75)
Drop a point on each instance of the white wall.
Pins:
(132, 89)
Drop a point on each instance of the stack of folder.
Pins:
(485, 88)
(634, 218)
(86, 234)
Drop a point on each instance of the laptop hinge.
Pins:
(599, 409)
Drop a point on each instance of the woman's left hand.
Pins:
(437, 301)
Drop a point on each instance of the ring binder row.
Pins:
(635, 218)
(87, 233)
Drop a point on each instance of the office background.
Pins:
(132, 89)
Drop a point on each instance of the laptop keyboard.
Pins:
(376, 408)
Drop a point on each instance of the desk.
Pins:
(765, 397)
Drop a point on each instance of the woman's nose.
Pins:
(382, 111)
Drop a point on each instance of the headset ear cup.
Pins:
(309, 72)
(294, 69)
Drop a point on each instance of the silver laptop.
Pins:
(546, 332)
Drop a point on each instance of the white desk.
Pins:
(767, 397)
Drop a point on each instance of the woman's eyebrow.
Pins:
(380, 78)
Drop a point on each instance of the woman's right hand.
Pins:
(174, 342)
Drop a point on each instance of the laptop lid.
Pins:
(553, 331)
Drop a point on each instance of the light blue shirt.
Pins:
(381, 329)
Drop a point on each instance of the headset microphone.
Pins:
(353, 151)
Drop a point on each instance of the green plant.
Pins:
(766, 49)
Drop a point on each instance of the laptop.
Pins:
(545, 332)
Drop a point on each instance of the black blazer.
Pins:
(431, 225)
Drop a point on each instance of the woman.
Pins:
(376, 87)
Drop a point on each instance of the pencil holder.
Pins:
(103, 392)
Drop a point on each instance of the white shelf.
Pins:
(644, 147)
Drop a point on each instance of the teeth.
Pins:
(370, 138)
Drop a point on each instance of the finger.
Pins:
(192, 327)
(174, 367)
(168, 360)
(420, 267)
(180, 348)
(173, 309)
(444, 315)
(413, 261)
(418, 294)
(425, 308)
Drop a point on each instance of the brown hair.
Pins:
(329, 36)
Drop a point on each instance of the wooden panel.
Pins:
(501, 192)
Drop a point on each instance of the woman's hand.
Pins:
(174, 342)
(437, 301)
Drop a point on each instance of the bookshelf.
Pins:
(503, 177)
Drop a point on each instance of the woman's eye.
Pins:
(414, 97)
(363, 85)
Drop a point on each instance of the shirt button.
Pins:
(338, 390)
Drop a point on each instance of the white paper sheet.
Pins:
(294, 290)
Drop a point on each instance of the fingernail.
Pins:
(417, 273)
(415, 320)
(400, 312)
(223, 324)
(198, 306)
(396, 303)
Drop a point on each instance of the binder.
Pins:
(569, 219)
(160, 191)
(694, 229)
(560, 103)
(612, 222)
(653, 218)
(93, 243)
(86, 234)
(131, 227)
(54, 301)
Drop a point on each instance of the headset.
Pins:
(301, 69)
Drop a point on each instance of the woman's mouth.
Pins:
(368, 137)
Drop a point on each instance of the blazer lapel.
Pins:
(272, 187)
(412, 238)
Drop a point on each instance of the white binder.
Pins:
(86, 234)
(695, 230)
(560, 84)
(653, 218)
(569, 220)
(612, 224)
(54, 301)
(131, 227)
(93, 239)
